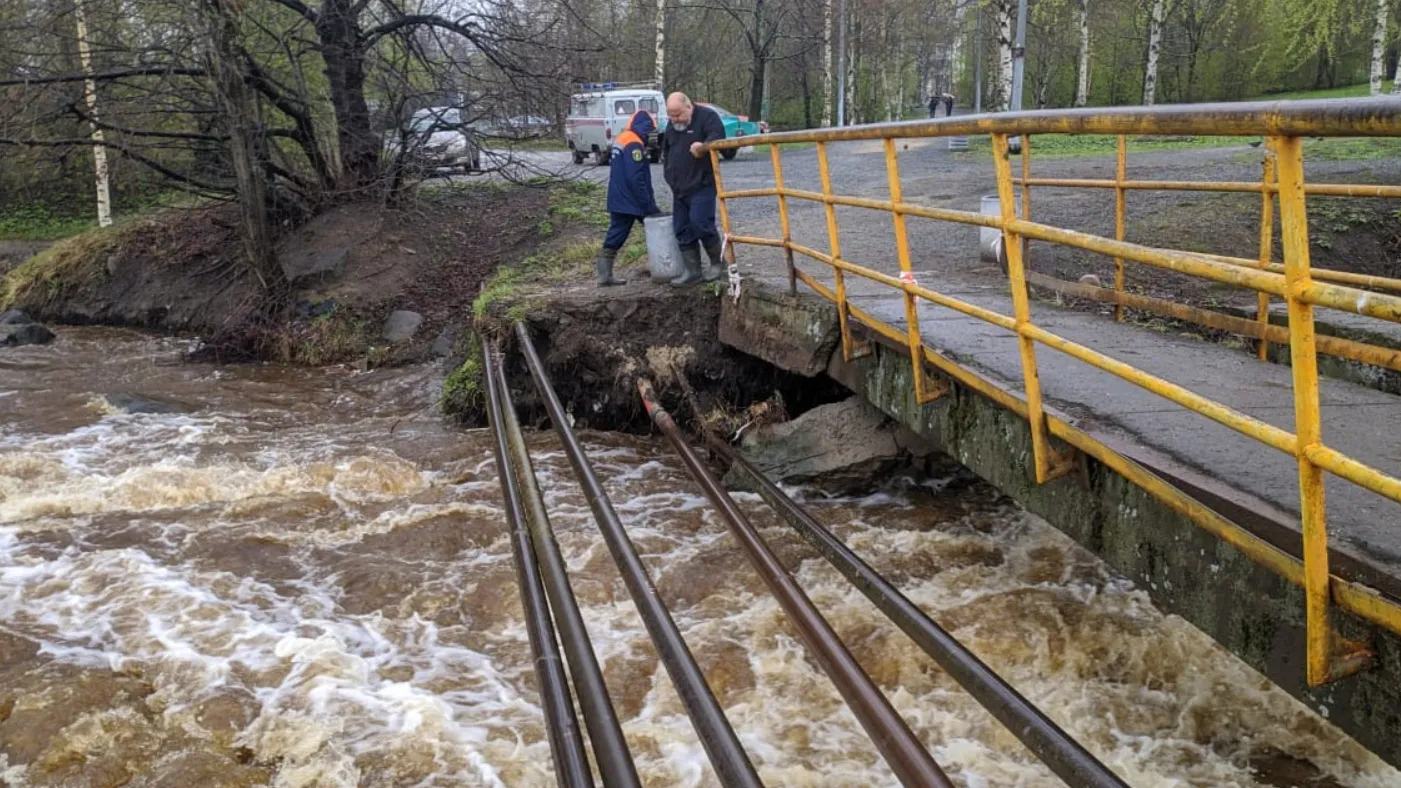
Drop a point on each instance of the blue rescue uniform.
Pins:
(630, 196)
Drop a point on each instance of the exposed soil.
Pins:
(182, 272)
(596, 345)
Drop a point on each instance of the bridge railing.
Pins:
(1283, 125)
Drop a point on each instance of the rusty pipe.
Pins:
(1061, 753)
(610, 747)
(904, 753)
(726, 754)
(566, 743)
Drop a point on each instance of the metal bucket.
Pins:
(663, 253)
(990, 238)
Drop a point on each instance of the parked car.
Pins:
(737, 126)
(598, 113)
(529, 125)
(436, 137)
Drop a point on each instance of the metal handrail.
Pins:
(610, 747)
(1364, 117)
(904, 753)
(566, 742)
(1329, 656)
(721, 745)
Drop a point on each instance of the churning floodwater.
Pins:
(301, 577)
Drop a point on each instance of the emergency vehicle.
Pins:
(600, 111)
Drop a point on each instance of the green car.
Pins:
(737, 126)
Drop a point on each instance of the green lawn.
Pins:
(1350, 91)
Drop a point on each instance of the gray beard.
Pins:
(680, 126)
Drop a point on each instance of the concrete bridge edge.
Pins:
(1249, 610)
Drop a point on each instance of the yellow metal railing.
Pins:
(1329, 656)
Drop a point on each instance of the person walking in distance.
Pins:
(630, 195)
(934, 102)
(692, 183)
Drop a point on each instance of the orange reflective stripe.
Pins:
(627, 138)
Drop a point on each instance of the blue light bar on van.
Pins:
(598, 86)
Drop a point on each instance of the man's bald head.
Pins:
(678, 108)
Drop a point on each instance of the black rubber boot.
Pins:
(604, 265)
(691, 261)
(716, 269)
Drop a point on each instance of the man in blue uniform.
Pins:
(692, 185)
(630, 197)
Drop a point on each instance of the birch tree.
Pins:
(1006, 30)
(1155, 42)
(1082, 77)
(827, 74)
(101, 180)
(1379, 46)
(659, 74)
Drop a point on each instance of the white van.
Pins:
(600, 112)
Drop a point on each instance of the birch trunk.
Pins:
(1379, 47)
(828, 75)
(1005, 12)
(1155, 40)
(101, 181)
(1082, 83)
(659, 74)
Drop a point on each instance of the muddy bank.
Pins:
(596, 346)
(346, 272)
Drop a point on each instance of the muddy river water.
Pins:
(302, 579)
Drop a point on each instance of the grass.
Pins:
(49, 272)
(1349, 91)
(1073, 146)
(40, 221)
(334, 337)
(462, 389)
(577, 212)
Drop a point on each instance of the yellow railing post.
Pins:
(1026, 195)
(1267, 233)
(1048, 466)
(724, 209)
(783, 218)
(1322, 645)
(925, 390)
(849, 350)
(1120, 209)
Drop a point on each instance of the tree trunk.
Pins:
(238, 109)
(343, 51)
(1379, 46)
(1006, 10)
(1082, 82)
(1155, 40)
(807, 99)
(659, 72)
(756, 71)
(101, 182)
(1396, 79)
(828, 78)
(852, 113)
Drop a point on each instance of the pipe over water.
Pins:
(610, 748)
(904, 753)
(728, 757)
(1046, 740)
(566, 743)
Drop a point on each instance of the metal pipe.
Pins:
(1019, 58)
(907, 757)
(731, 764)
(566, 743)
(610, 747)
(1061, 753)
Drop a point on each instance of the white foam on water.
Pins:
(429, 680)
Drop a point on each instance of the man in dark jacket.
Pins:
(692, 183)
(630, 197)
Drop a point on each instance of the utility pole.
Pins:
(99, 150)
(841, 64)
(1019, 57)
(978, 65)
